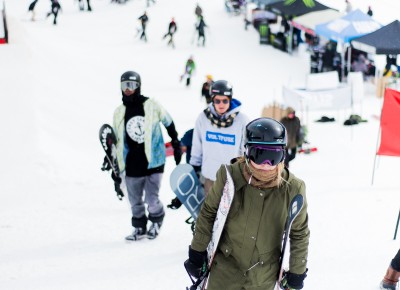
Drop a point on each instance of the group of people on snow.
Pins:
(253, 152)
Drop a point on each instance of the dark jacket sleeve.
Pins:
(172, 131)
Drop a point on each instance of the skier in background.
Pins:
(143, 21)
(82, 6)
(31, 8)
(369, 12)
(219, 133)
(200, 27)
(190, 67)
(55, 8)
(248, 252)
(172, 28)
(392, 275)
(141, 154)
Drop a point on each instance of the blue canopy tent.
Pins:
(344, 29)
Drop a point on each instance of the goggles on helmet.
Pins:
(130, 85)
(262, 154)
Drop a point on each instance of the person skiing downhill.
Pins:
(219, 133)
(55, 8)
(172, 28)
(141, 154)
(248, 251)
(200, 27)
(190, 67)
(143, 21)
(31, 8)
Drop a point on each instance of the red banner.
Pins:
(390, 124)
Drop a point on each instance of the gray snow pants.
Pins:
(150, 187)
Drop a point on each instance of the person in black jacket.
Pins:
(200, 27)
(205, 89)
(172, 28)
(31, 8)
(143, 20)
(55, 8)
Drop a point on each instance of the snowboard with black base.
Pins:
(108, 141)
(295, 207)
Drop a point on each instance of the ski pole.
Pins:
(397, 226)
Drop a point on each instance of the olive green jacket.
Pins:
(250, 245)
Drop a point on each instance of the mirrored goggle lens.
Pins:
(130, 85)
(265, 154)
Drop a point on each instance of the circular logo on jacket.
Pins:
(135, 129)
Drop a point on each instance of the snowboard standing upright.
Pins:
(185, 184)
(296, 204)
(219, 223)
(108, 141)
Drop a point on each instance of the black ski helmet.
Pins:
(266, 131)
(266, 141)
(221, 88)
(131, 76)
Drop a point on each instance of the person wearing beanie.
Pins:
(248, 252)
(293, 126)
(219, 133)
(141, 154)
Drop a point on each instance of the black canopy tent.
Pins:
(297, 8)
(289, 11)
(385, 40)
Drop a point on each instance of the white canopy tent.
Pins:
(307, 22)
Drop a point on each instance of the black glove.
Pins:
(291, 281)
(175, 203)
(176, 144)
(197, 170)
(117, 185)
(196, 265)
(106, 164)
(118, 190)
(116, 179)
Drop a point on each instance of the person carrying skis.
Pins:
(171, 31)
(391, 278)
(143, 21)
(293, 127)
(141, 154)
(248, 252)
(190, 67)
(219, 133)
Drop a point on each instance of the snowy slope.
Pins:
(61, 225)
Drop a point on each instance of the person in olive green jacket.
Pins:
(248, 253)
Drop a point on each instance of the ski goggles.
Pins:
(129, 85)
(224, 101)
(261, 154)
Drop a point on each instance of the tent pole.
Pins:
(349, 59)
(376, 148)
